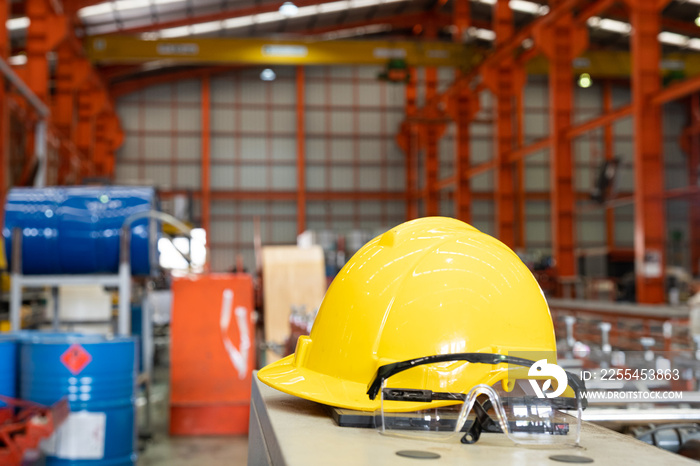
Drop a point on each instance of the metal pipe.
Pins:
(23, 89)
(40, 152)
(605, 336)
(40, 132)
(16, 282)
(124, 322)
(570, 340)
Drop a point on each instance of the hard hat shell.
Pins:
(429, 286)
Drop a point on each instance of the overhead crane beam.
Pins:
(130, 50)
(123, 49)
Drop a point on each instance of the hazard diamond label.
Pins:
(76, 358)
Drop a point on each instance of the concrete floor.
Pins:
(179, 451)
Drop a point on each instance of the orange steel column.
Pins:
(461, 17)
(609, 152)
(561, 42)
(115, 137)
(101, 145)
(504, 80)
(206, 153)
(84, 133)
(63, 109)
(45, 31)
(466, 106)
(431, 147)
(63, 102)
(649, 211)
(520, 172)
(4, 126)
(407, 140)
(37, 66)
(693, 167)
(301, 151)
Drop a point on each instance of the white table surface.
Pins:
(295, 431)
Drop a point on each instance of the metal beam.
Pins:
(520, 171)
(561, 41)
(4, 108)
(301, 151)
(677, 91)
(123, 49)
(408, 136)
(603, 120)
(649, 211)
(693, 152)
(504, 78)
(609, 151)
(432, 149)
(206, 154)
(137, 83)
(466, 104)
(218, 16)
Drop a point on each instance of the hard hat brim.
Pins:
(286, 377)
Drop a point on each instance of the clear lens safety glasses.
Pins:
(519, 413)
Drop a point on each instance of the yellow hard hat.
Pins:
(430, 286)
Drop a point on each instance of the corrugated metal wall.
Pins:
(351, 123)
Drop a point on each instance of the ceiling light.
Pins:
(610, 25)
(248, 20)
(270, 17)
(672, 38)
(333, 6)
(203, 28)
(288, 9)
(483, 34)
(697, 20)
(17, 23)
(363, 3)
(17, 60)
(585, 81)
(121, 5)
(131, 4)
(95, 10)
(267, 75)
(528, 7)
(171, 33)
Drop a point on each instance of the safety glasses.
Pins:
(519, 408)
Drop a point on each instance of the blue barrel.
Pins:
(76, 230)
(98, 376)
(8, 367)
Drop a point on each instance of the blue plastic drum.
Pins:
(76, 230)
(8, 367)
(98, 376)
